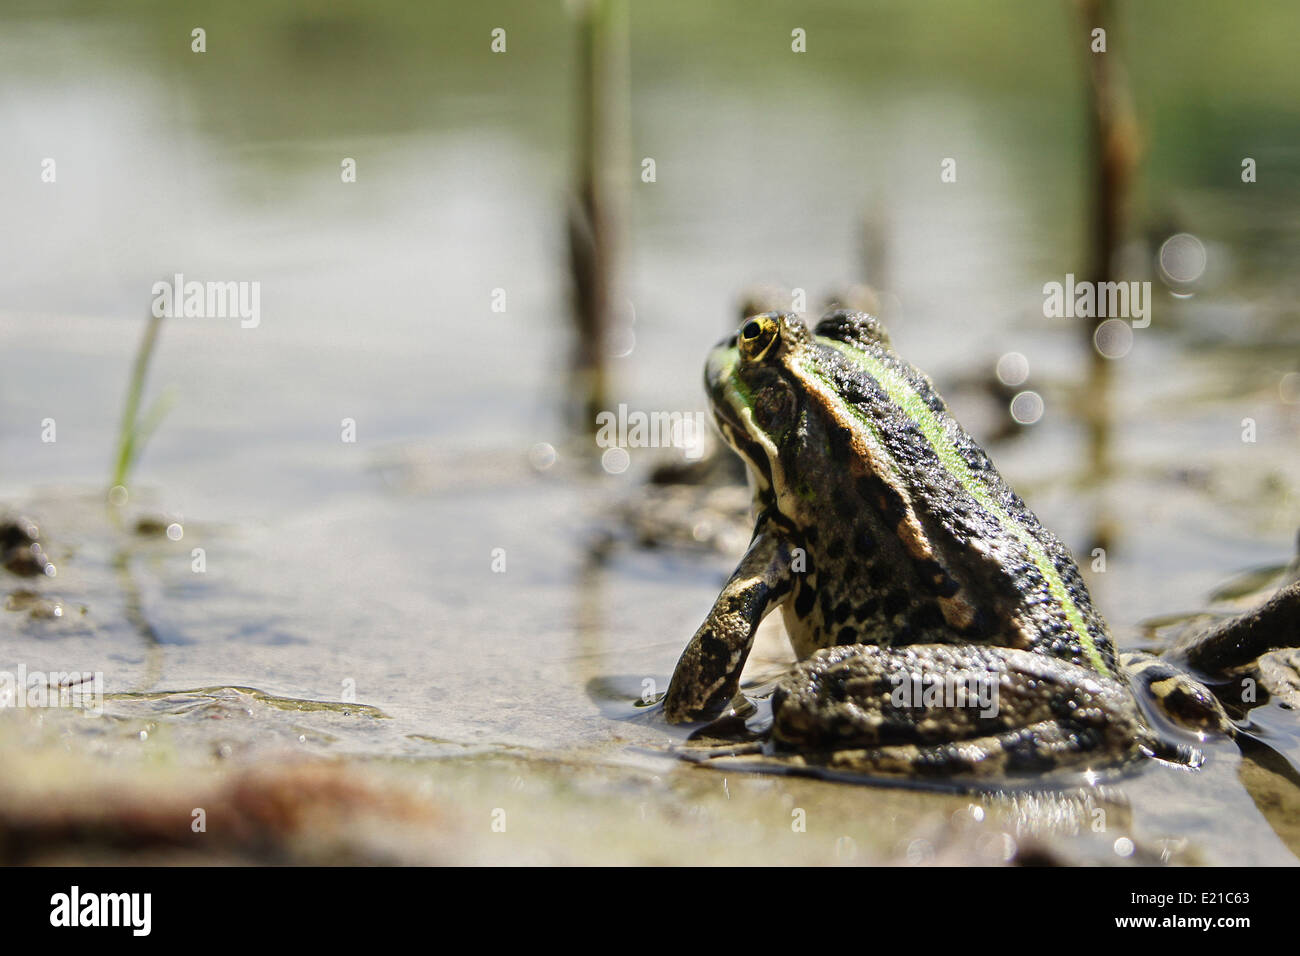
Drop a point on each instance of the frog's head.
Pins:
(767, 384)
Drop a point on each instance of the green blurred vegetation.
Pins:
(1207, 75)
(1212, 82)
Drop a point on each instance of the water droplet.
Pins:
(1124, 847)
(175, 531)
(117, 495)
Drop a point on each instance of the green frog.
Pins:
(940, 628)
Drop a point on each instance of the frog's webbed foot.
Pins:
(1242, 640)
(941, 710)
(1186, 701)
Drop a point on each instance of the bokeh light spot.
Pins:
(1113, 338)
(1027, 408)
(1013, 369)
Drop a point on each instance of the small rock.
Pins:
(28, 562)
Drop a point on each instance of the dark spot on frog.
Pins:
(713, 649)
(983, 624)
(864, 543)
(805, 600)
(1024, 756)
(896, 603)
(839, 446)
(824, 601)
(928, 616)
(932, 574)
(903, 635)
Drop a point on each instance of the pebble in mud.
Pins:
(20, 548)
(149, 526)
(153, 527)
(41, 608)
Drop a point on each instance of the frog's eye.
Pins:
(756, 337)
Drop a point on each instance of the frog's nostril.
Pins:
(731, 342)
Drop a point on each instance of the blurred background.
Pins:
(372, 562)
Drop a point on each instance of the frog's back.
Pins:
(934, 546)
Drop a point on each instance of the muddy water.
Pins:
(348, 615)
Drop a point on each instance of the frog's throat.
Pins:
(735, 416)
(902, 394)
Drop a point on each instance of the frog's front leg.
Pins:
(707, 675)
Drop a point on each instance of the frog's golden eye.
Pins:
(756, 336)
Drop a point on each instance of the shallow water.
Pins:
(360, 575)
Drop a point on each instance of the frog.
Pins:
(939, 628)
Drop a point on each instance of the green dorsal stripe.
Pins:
(902, 394)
